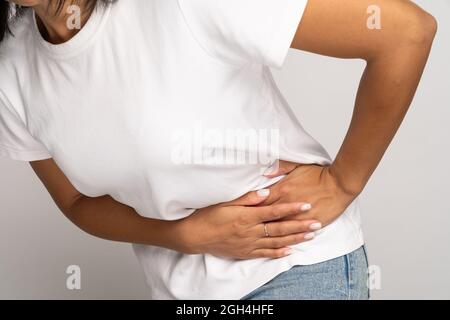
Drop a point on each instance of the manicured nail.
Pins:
(263, 193)
(305, 207)
(315, 226)
(287, 252)
(273, 169)
(309, 236)
(269, 171)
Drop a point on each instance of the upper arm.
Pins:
(342, 28)
(60, 188)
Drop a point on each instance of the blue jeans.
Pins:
(342, 278)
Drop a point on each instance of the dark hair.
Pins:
(10, 12)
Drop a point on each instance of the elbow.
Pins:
(419, 30)
(408, 34)
(432, 26)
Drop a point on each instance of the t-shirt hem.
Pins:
(239, 294)
(295, 261)
(265, 275)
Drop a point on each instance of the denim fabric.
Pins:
(342, 278)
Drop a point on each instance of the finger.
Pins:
(276, 212)
(281, 242)
(284, 228)
(271, 253)
(274, 195)
(280, 168)
(275, 198)
(250, 199)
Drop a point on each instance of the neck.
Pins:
(57, 26)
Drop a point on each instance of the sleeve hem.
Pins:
(285, 34)
(23, 155)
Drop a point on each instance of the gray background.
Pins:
(406, 207)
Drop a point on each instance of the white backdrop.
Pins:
(406, 207)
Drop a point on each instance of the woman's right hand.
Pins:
(235, 229)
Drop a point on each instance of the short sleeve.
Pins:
(16, 142)
(244, 31)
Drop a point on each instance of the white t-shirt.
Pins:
(149, 103)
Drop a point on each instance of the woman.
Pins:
(133, 123)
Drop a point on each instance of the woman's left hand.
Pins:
(313, 184)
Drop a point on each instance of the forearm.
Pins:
(106, 218)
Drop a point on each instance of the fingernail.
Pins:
(305, 207)
(315, 226)
(269, 171)
(263, 192)
(287, 252)
(309, 236)
(272, 169)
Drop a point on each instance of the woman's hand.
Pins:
(236, 229)
(312, 184)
